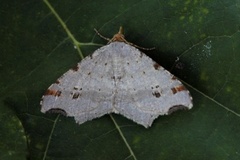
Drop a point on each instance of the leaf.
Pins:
(13, 144)
(197, 40)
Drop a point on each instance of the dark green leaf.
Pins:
(198, 41)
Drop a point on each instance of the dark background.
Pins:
(35, 50)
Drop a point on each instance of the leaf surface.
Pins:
(198, 41)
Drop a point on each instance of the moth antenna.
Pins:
(103, 37)
(120, 38)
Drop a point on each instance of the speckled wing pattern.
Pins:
(117, 78)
